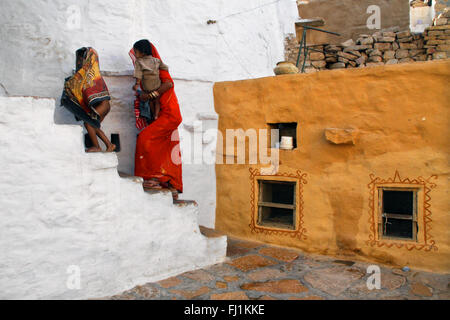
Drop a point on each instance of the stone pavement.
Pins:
(258, 271)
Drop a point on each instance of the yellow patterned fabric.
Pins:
(86, 88)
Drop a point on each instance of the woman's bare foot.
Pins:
(94, 149)
(111, 148)
(152, 184)
(174, 193)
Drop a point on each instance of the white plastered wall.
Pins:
(64, 212)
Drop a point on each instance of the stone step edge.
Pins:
(178, 202)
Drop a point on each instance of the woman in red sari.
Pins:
(158, 157)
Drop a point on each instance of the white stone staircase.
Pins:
(63, 210)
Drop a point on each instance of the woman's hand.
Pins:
(144, 96)
(163, 88)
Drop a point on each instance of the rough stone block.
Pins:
(435, 33)
(314, 56)
(440, 22)
(383, 46)
(360, 60)
(250, 262)
(421, 290)
(338, 65)
(389, 34)
(235, 295)
(392, 61)
(403, 34)
(170, 282)
(386, 39)
(189, 294)
(333, 280)
(416, 52)
(408, 39)
(374, 52)
(280, 254)
(421, 57)
(407, 45)
(443, 47)
(348, 43)
(440, 55)
(331, 59)
(342, 136)
(355, 53)
(406, 60)
(280, 286)
(357, 48)
(375, 59)
(347, 55)
(319, 63)
(310, 70)
(333, 48)
(365, 41)
(400, 54)
(446, 27)
(437, 42)
(388, 55)
(265, 274)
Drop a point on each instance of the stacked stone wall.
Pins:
(388, 46)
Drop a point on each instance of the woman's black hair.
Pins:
(143, 46)
(80, 55)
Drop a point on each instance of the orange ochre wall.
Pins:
(401, 115)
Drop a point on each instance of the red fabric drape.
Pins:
(158, 146)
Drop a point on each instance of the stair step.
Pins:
(210, 233)
(130, 177)
(124, 175)
(183, 203)
(153, 190)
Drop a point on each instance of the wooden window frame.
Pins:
(300, 178)
(262, 204)
(382, 214)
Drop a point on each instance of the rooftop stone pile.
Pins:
(388, 46)
(437, 37)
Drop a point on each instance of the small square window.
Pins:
(276, 204)
(398, 217)
(285, 130)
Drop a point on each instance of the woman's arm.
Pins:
(163, 88)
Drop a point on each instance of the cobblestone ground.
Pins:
(256, 271)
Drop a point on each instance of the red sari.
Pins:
(158, 146)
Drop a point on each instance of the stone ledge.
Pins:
(341, 136)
